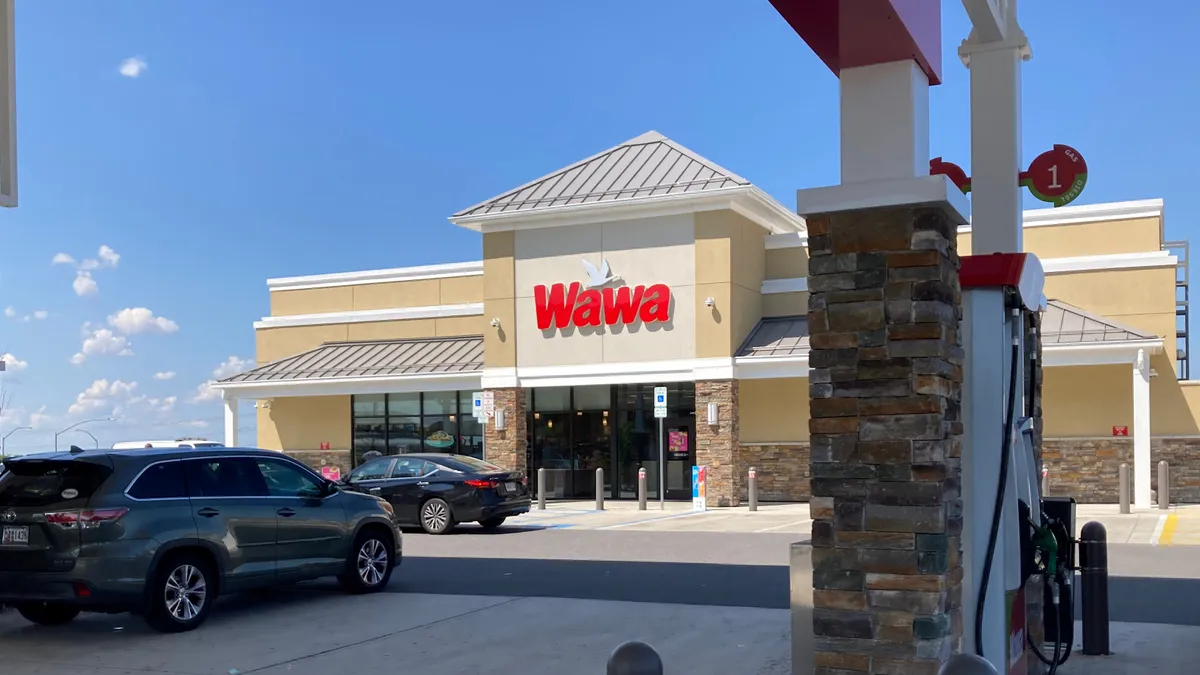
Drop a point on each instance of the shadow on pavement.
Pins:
(1150, 600)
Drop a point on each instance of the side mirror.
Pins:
(330, 487)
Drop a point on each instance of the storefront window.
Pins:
(415, 422)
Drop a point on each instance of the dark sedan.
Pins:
(438, 491)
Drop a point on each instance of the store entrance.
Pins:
(575, 430)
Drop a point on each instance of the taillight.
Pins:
(525, 481)
(85, 519)
(480, 483)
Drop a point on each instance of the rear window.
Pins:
(467, 463)
(160, 481)
(43, 483)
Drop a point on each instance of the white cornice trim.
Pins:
(787, 240)
(681, 370)
(343, 386)
(792, 285)
(370, 315)
(442, 271)
(1098, 353)
(1090, 213)
(771, 367)
(1117, 261)
(744, 199)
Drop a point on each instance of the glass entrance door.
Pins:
(679, 448)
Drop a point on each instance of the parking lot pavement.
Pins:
(1177, 526)
(316, 632)
(674, 517)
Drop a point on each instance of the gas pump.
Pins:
(1008, 533)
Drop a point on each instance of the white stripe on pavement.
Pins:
(651, 520)
(1158, 530)
(785, 525)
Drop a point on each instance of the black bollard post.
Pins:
(967, 664)
(1093, 580)
(634, 658)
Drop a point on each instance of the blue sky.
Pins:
(266, 139)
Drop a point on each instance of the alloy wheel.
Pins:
(372, 562)
(436, 516)
(185, 592)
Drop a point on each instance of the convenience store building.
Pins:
(649, 265)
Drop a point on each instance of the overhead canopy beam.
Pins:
(988, 18)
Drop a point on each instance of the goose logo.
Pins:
(595, 301)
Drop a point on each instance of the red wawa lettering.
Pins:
(561, 306)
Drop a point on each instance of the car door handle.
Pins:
(423, 482)
(376, 491)
(286, 513)
(208, 512)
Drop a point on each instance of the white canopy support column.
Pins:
(993, 53)
(231, 418)
(1141, 431)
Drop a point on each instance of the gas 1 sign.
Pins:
(562, 306)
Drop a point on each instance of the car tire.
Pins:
(436, 516)
(370, 563)
(181, 594)
(493, 523)
(48, 613)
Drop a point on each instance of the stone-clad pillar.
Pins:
(885, 389)
(717, 444)
(506, 448)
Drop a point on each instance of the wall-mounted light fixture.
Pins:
(713, 413)
(499, 419)
(710, 301)
(495, 323)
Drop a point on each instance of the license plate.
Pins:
(510, 487)
(14, 535)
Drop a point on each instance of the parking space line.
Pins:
(785, 525)
(1158, 530)
(651, 520)
(1168, 530)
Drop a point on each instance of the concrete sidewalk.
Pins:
(673, 517)
(1177, 526)
(1141, 649)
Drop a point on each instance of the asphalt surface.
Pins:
(1147, 584)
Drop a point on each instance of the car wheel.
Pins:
(48, 613)
(181, 594)
(493, 523)
(370, 564)
(436, 517)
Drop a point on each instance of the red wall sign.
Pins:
(561, 306)
(1120, 431)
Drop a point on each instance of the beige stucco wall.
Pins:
(1096, 238)
(730, 261)
(785, 304)
(305, 423)
(1088, 401)
(391, 295)
(499, 300)
(276, 343)
(1139, 298)
(773, 411)
(787, 263)
(642, 252)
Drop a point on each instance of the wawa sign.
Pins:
(597, 302)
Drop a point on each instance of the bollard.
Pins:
(634, 658)
(542, 489)
(753, 489)
(967, 664)
(1123, 487)
(642, 489)
(600, 489)
(1164, 485)
(1093, 582)
(1045, 482)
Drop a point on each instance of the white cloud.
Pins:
(133, 66)
(141, 320)
(194, 424)
(102, 342)
(230, 367)
(62, 259)
(39, 419)
(164, 375)
(12, 364)
(40, 314)
(100, 395)
(10, 312)
(84, 284)
(108, 257)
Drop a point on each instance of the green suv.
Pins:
(162, 532)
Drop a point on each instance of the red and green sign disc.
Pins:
(1056, 176)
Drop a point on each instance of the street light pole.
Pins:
(60, 433)
(4, 438)
(94, 440)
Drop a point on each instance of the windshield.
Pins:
(468, 464)
(43, 483)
